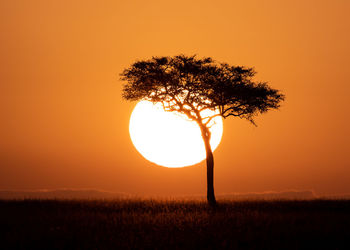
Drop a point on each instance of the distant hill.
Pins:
(100, 194)
(61, 194)
(337, 197)
(285, 195)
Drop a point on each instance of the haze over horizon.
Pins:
(65, 125)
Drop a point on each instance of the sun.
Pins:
(170, 139)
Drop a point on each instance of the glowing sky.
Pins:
(65, 125)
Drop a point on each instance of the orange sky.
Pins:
(64, 124)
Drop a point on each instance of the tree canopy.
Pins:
(189, 85)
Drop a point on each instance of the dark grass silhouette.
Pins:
(156, 224)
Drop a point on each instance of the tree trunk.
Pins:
(210, 173)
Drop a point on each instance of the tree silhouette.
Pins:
(189, 85)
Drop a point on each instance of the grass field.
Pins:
(156, 224)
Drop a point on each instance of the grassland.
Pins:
(156, 224)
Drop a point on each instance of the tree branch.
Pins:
(210, 118)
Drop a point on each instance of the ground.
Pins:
(174, 224)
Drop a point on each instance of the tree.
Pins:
(189, 85)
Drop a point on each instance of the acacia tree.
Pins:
(190, 85)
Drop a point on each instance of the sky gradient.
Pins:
(65, 125)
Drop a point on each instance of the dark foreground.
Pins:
(150, 224)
